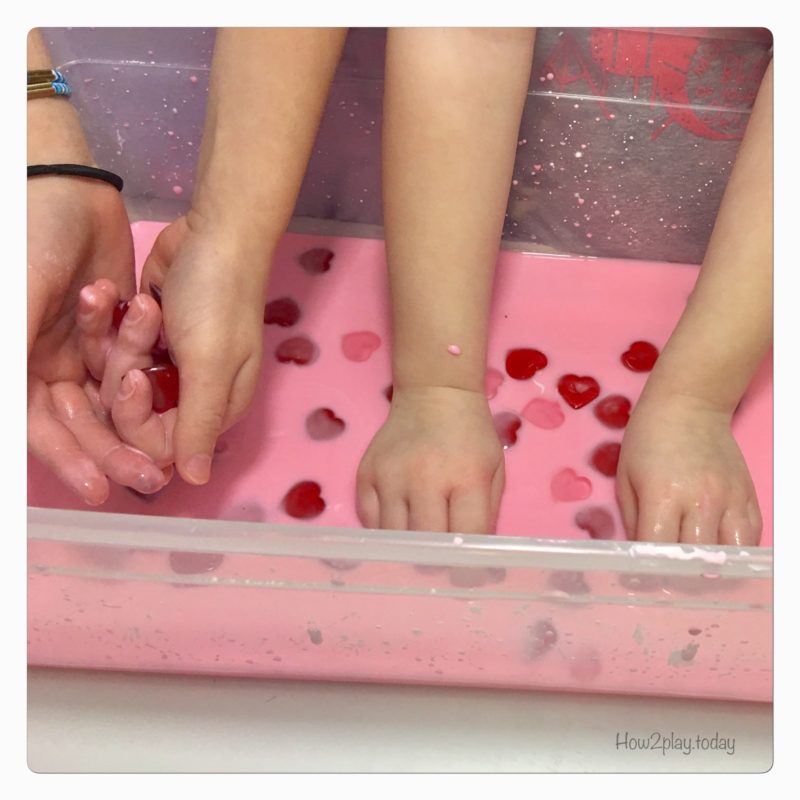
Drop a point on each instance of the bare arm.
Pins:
(727, 326)
(267, 95)
(453, 104)
(682, 476)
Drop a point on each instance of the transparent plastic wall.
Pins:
(626, 144)
(237, 598)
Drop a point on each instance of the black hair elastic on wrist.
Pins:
(77, 170)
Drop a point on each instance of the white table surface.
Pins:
(81, 721)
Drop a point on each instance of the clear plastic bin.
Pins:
(160, 594)
(237, 598)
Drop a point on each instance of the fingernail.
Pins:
(198, 469)
(150, 480)
(136, 310)
(127, 388)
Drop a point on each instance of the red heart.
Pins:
(543, 637)
(523, 363)
(324, 424)
(613, 411)
(297, 350)
(605, 457)
(165, 385)
(596, 521)
(304, 500)
(568, 581)
(316, 261)
(577, 390)
(640, 356)
(506, 425)
(283, 311)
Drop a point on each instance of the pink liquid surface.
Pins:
(582, 314)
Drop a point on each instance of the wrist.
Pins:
(658, 398)
(233, 244)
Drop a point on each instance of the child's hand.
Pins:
(116, 359)
(682, 477)
(213, 287)
(435, 465)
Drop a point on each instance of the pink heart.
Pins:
(567, 485)
(359, 346)
(494, 379)
(324, 424)
(544, 413)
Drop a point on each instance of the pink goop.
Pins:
(454, 350)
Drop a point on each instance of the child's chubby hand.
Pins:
(435, 465)
(682, 478)
(116, 358)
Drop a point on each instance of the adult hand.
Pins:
(78, 232)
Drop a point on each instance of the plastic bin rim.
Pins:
(271, 539)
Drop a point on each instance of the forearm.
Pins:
(454, 99)
(726, 328)
(54, 129)
(267, 95)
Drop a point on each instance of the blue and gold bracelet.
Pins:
(47, 83)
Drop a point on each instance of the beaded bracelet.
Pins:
(47, 83)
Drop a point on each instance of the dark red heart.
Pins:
(283, 311)
(161, 355)
(605, 457)
(506, 424)
(568, 581)
(165, 385)
(578, 390)
(120, 310)
(297, 350)
(640, 356)
(304, 500)
(324, 424)
(543, 637)
(523, 363)
(316, 261)
(596, 521)
(613, 411)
